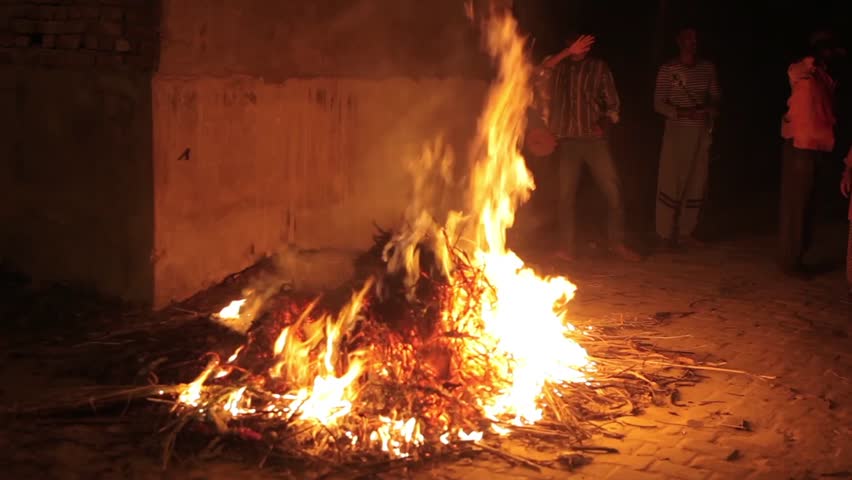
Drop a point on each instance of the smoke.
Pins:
(380, 38)
(426, 52)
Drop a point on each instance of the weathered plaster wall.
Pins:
(243, 167)
(278, 40)
(151, 148)
(76, 201)
(75, 179)
(288, 124)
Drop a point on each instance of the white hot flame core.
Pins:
(233, 309)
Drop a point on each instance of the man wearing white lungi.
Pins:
(687, 94)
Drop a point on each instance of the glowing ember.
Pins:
(232, 310)
(499, 334)
(234, 355)
(233, 402)
(395, 436)
(192, 394)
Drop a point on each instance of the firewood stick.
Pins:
(510, 457)
(711, 369)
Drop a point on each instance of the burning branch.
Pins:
(449, 348)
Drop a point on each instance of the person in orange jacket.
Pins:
(808, 132)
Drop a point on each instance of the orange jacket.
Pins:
(810, 120)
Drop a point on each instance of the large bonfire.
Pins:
(484, 349)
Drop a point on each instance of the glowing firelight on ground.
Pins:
(527, 344)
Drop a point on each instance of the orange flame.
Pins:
(232, 310)
(519, 321)
(525, 341)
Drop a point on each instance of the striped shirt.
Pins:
(685, 86)
(581, 94)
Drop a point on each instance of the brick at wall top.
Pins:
(113, 34)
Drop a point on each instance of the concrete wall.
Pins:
(278, 40)
(76, 177)
(288, 123)
(75, 142)
(151, 148)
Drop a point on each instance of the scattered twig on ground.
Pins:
(429, 373)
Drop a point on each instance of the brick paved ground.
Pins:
(725, 302)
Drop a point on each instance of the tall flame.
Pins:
(520, 317)
(500, 178)
(512, 346)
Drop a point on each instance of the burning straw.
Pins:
(453, 345)
(357, 388)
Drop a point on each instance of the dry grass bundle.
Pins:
(417, 395)
(419, 369)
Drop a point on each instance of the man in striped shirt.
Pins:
(582, 96)
(687, 94)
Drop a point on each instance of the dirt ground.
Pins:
(726, 300)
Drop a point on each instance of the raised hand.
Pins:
(581, 46)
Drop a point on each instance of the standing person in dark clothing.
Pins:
(581, 96)
(687, 94)
(808, 132)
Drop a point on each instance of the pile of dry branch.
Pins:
(421, 379)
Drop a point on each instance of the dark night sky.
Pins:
(751, 43)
